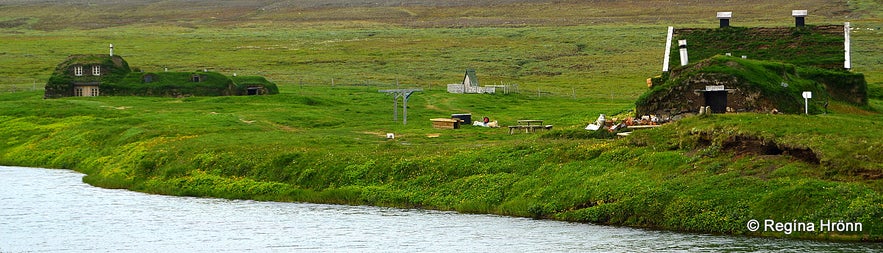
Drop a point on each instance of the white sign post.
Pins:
(806, 96)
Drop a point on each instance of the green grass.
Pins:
(330, 147)
(321, 143)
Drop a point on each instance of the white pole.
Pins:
(683, 45)
(806, 96)
(847, 64)
(806, 105)
(665, 60)
(111, 49)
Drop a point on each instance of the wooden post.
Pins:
(405, 109)
(405, 94)
(395, 107)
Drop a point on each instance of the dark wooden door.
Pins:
(717, 100)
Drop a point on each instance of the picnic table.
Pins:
(529, 126)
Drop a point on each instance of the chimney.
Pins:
(682, 44)
(799, 17)
(665, 59)
(847, 62)
(724, 18)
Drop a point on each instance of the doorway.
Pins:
(717, 100)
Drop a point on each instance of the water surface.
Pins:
(43, 210)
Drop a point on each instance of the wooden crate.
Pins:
(442, 123)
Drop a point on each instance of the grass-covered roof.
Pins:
(820, 46)
(117, 79)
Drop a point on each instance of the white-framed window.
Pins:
(96, 70)
(78, 70)
(94, 92)
(78, 92)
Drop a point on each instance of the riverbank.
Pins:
(710, 175)
(68, 207)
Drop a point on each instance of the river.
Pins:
(47, 210)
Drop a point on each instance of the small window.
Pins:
(96, 70)
(78, 92)
(78, 70)
(94, 92)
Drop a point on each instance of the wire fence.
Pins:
(22, 86)
(303, 85)
(532, 90)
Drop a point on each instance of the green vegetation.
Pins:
(118, 79)
(819, 46)
(322, 139)
(701, 174)
(778, 85)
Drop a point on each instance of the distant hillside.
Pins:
(87, 14)
(289, 3)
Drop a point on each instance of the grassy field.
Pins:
(569, 45)
(319, 142)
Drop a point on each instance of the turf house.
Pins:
(110, 75)
(754, 70)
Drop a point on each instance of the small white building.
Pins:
(470, 85)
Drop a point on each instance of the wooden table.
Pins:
(529, 126)
(530, 122)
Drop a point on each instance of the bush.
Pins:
(576, 134)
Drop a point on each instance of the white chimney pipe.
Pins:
(847, 64)
(682, 44)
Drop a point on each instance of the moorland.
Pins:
(323, 138)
